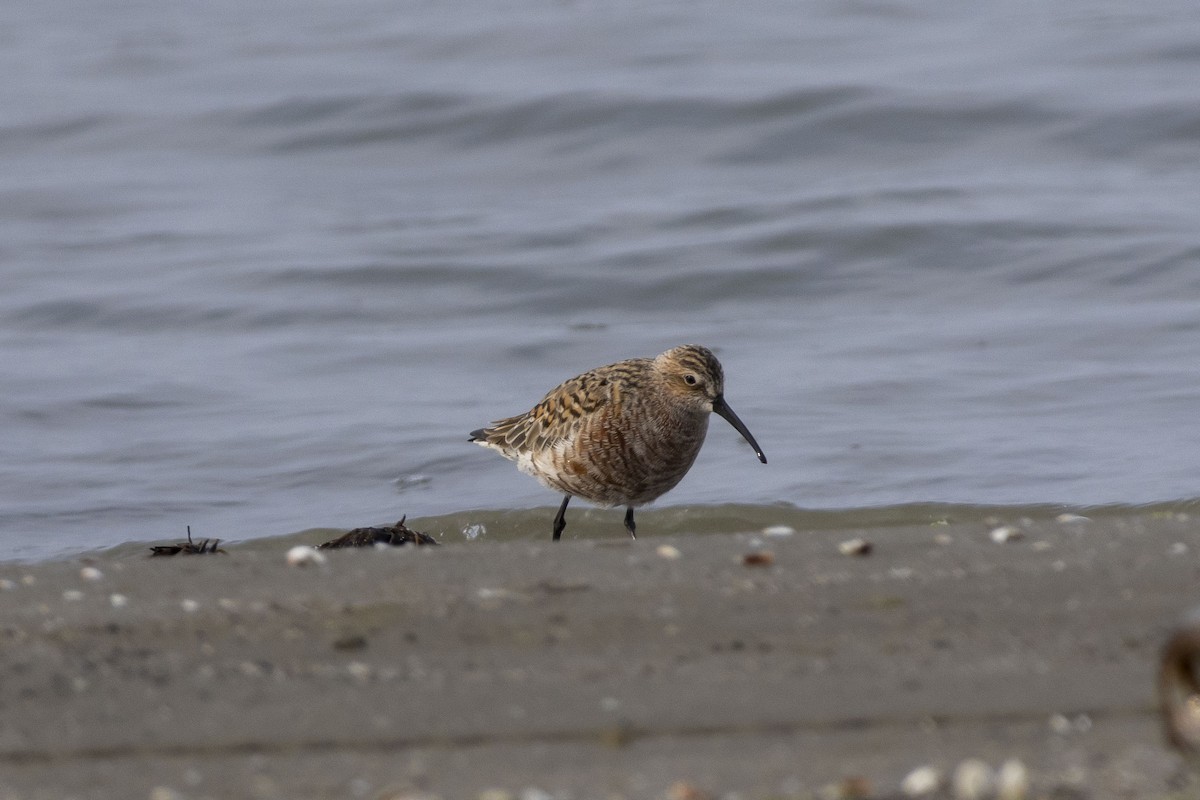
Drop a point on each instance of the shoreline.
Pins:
(532, 525)
(600, 668)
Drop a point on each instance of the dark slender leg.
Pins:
(629, 526)
(559, 521)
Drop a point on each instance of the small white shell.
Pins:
(921, 782)
(1006, 533)
(1012, 781)
(973, 780)
(855, 547)
(303, 556)
(91, 574)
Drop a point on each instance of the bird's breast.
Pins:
(625, 458)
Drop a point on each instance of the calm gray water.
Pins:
(263, 265)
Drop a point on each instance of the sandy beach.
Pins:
(601, 669)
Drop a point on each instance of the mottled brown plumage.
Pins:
(623, 434)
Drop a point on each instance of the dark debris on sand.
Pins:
(188, 548)
(394, 535)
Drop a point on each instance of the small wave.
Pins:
(591, 523)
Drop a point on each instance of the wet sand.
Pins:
(600, 669)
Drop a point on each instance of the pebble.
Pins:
(1012, 781)
(973, 780)
(855, 547)
(682, 790)
(72, 595)
(1062, 725)
(250, 669)
(1071, 518)
(669, 552)
(118, 600)
(778, 530)
(190, 606)
(759, 558)
(303, 556)
(495, 794)
(487, 593)
(359, 671)
(91, 574)
(1006, 533)
(921, 782)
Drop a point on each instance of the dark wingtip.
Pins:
(476, 436)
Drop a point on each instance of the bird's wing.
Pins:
(559, 416)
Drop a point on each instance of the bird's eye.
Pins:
(690, 380)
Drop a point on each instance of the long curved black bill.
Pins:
(722, 408)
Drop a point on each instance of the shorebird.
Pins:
(620, 435)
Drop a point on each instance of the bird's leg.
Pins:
(629, 526)
(559, 521)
